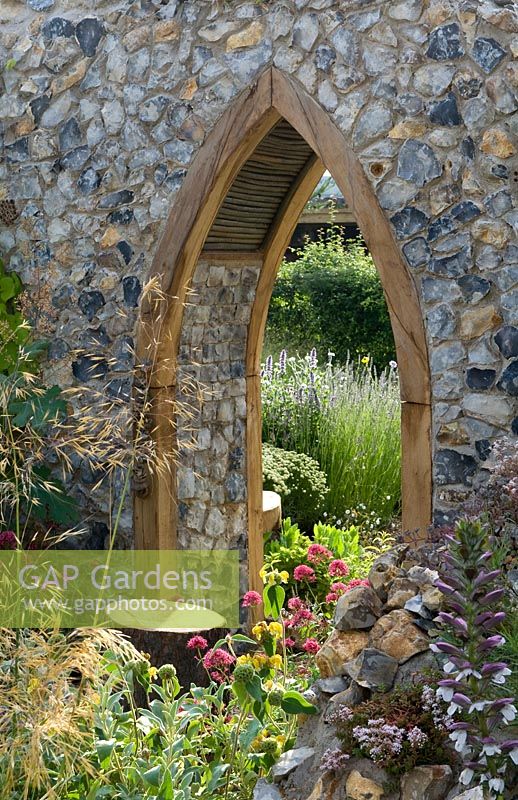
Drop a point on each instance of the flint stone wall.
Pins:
(104, 107)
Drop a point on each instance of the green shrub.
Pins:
(299, 481)
(331, 298)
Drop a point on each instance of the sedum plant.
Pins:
(478, 711)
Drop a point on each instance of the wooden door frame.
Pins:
(232, 141)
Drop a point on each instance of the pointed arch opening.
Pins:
(230, 224)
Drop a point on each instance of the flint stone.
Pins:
(373, 669)
(396, 635)
(474, 288)
(498, 202)
(332, 686)
(385, 569)
(416, 606)
(57, 27)
(266, 791)
(426, 783)
(90, 302)
(345, 44)
(115, 199)
(423, 576)
(69, 134)
(490, 408)
(441, 227)
(290, 761)
(433, 79)
(444, 43)
(417, 252)
(339, 648)
(409, 221)
(88, 34)
(452, 467)
(507, 341)
(454, 265)
(75, 159)
(358, 787)
(305, 31)
(357, 609)
(480, 378)
(483, 448)
(488, 53)
(352, 696)
(40, 5)
(89, 181)
(88, 368)
(325, 57)
(445, 112)
(509, 379)
(400, 590)
(478, 320)
(395, 193)
(374, 121)
(417, 163)
(441, 322)
(414, 668)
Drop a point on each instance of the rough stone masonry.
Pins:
(104, 106)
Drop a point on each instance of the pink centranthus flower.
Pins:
(217, 662)
(300, 618)
(295, 604)
(356, 582)
(311, 646)
(304, 573)
(289, 642)
(338, 586)
(251, 599)
(332, 597)
(197, 643)
(338, 568)
(8, 540)
(318, 553)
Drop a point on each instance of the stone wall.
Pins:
(104, 106)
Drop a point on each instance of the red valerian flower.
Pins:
(197, 643)
(8, 540)
(251, 599)
(304, 573)
(338, 568)
(311, 646)
(317, 553)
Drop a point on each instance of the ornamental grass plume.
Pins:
(478, 712)
(48, 695)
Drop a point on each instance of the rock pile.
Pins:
(380, 641)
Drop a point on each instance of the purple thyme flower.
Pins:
(333, 760)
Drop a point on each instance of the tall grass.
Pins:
(347, 417)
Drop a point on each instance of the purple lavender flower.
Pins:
(313, 360)
(283, 358)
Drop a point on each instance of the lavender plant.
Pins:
(478, 713)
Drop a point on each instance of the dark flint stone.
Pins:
(409, 221)
(467, 148)
(325, 57)
(507, 341)
(115, 199)
(132, 289)
(119, 389)
(488, 53)
(88, 368)
(160, 174)
(42, 254)
(57, 26)
(183, 510)
(89, 181)
(412, 104)
(121, 216)
(235, 487)
(445, 112)
(38, 107)
(236, 458)
(124, 354)
(453, 467)
(75, 159)
(474, 287)
(62, 295)
(69, 134)
(90, 303)
(500, 171)
(454, 265)
(514, 426)
(465, 211)
(331, 685)
(417, 252)
(444, 43)
(373, 669)
(58, 348)
(417, 163)
(440, 227)
(175, 179)
(40, 5)
(480, 378)
(468, 87)
(509, 379)
(126, 251)
(95, 337)
(413, 670)
(237, 369)
(498, 202)
(88, 35)
(483, 447)
(18, 150)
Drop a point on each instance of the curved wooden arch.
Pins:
(227, 147)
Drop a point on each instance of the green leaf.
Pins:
(294, 703)
(254, 689)
(152, 776)
(104, 749)
(273, 600)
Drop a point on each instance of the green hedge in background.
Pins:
(330, 298)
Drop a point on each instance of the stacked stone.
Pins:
(104, 108)
(380, 641)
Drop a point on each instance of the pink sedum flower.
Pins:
(304, 573)
(338, 568)
(251, 599)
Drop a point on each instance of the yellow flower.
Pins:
(365, 360)
(271, 579)
(262, 573)
(247, 659)
(268, 684)
(281, 740)
(259, 661)
(275, 629)
(276, 661)
(285, 576)
(259, 630)
(152, 672)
